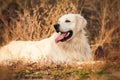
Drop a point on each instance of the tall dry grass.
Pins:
(103, 25)
(32, 22)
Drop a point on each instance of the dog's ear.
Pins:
(81, 21)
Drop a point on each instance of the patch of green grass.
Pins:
(37, 73)
(82, 74)
(69, 71)
(99, 72)
(55, 73)
(116, 67)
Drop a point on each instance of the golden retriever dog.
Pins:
(67, 45)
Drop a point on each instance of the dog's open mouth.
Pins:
(64, 36)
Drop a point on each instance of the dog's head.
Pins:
(69, 25)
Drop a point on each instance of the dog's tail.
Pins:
(99, 53)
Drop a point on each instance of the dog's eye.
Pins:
(67, 21)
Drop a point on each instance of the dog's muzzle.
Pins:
(56, 26)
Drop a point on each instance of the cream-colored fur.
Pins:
(75, 50)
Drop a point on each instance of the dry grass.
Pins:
(34, 20)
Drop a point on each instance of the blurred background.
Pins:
(34, 20)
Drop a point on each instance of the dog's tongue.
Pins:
(60, 37)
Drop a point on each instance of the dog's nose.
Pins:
(56, 26)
